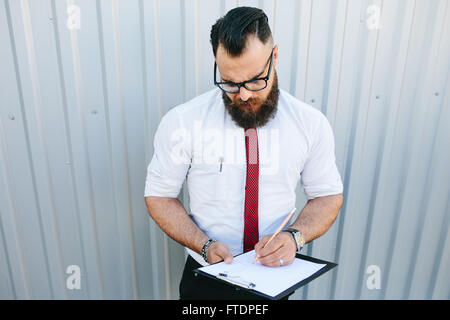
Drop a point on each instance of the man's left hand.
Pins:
(282, 247)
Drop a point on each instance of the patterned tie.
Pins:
(251, 233)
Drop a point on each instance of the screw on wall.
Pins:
(11, 117)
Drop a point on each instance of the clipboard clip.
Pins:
(236, 280)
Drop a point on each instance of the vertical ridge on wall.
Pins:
(384, 63)
(12, 246)
(439, 162)
(350, 133)
(29, 39)
(80, 104)
(68, 143)
(429, 135)
(152, 67)
(126, 241)
(416, 283)
(373, 195)
(411, 168)
(14, 251)
(321, 287)
(387, 197)
(69, 70)
(146, 83)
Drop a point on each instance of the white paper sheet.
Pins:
(268, 280)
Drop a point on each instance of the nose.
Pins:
(244, 94)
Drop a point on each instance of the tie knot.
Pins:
(251, 145)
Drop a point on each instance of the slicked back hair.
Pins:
(233, 29)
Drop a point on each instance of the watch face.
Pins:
(300, 239)
(298, 236)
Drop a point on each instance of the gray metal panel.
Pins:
(80, 107)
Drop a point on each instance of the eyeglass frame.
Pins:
(242, 84)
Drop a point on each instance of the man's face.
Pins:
(250, 108)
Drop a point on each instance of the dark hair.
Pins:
(233, 29)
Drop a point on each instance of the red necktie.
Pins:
(251, 233)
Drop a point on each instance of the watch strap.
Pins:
(294, 233)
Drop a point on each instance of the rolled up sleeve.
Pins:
(171, 158)
(320, 176)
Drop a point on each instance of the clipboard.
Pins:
(248, 286)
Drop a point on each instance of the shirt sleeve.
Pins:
(171, 158)
(320, 176)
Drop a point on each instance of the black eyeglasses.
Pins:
(251, 85)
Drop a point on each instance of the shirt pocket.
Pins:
(212, 180)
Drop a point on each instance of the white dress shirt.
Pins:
(200, 142)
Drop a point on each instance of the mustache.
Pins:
(251, 102)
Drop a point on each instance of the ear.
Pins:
(275, 55)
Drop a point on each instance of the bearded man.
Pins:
(240, 192)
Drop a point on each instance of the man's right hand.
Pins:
(219, 251)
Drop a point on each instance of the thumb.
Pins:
(224, 252)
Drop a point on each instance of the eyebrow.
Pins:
(255, 77)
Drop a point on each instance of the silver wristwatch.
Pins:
(298, 237)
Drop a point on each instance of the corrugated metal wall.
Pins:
(81, 99)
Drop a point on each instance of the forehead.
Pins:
(251, 62)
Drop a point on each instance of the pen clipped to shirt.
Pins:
(289, 216)
(221, 163)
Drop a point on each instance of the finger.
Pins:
(278, 262)
(224, 253)
(261, 244)
(288, 253)
(271, 246)
(273, 259)
(287, 259)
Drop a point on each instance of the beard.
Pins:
(247, 118)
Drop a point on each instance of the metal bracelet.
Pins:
(205, 249)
